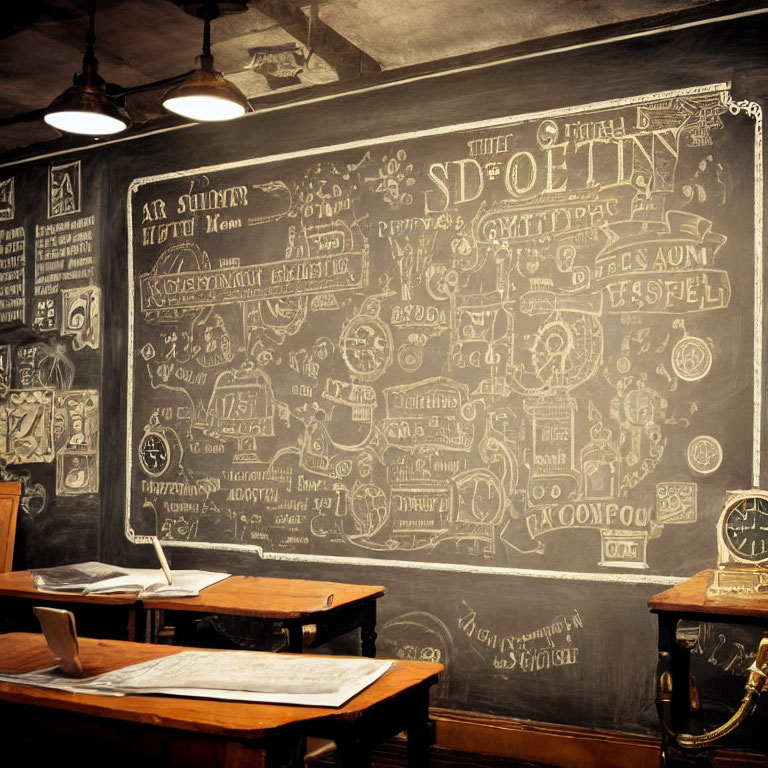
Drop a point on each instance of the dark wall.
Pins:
(485, 338)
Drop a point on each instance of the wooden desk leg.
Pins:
(295, 629)
(674, 712)
(140, 622)
(282, 751)
(354, 753)
(368, 631)
(419, 742)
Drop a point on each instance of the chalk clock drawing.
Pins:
(490, 345)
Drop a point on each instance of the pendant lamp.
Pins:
(206, 95)
(85, 108)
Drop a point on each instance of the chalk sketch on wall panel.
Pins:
(45, 416)
(506, 345)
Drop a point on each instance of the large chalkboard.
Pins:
(500, 345)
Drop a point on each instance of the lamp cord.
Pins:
(90, 37)
(90, 62)
(206, 36)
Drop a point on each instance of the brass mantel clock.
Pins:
(742, 546)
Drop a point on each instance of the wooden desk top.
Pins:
(269, 598)
(20, 584)
(256, 596)
(22, 652)
(690, 597)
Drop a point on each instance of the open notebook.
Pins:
(93, 578)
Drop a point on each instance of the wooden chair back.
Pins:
(10, 493)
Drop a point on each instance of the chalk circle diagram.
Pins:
(154, 453)
(366, 346)
(691, 358)
(176, 259)
(418, 636)
(704, 454)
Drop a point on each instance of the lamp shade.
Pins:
(206, 95)
(85, 109)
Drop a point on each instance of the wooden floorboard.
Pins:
(392, 754)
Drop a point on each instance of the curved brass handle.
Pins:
(755, 683)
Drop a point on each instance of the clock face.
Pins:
(745, 529)
(154, 454)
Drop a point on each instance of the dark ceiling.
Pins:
(283, 46)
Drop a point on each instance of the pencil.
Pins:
(161, 558)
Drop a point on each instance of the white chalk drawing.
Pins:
(434, 643)
(7, 199)
(6, 368)
(46, 420)
(676, 502)
(420, 636)
(64, 189)
(64, 255)
(76, 473)
(81, 316)
(76, 420)
(45, 315)
(691, 357)
(551, 646)
(34, 497)
(154, 453)
(44, 365)
(76, 436)
(12, 272)
(26, 426)
(457, 348)
(730, 648)
(366, 346)
(704, 454)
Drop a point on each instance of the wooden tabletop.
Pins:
(255, 596)
(691, 597)
(20, 584)
(22, 652)
(269, 598)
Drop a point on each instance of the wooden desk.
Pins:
(293, 603)
(109, 616)
(178, 732)
(688, 602)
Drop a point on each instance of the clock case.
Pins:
(738, 576)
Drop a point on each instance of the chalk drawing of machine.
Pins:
(241, 408)
(566, 347)
(552, 475)
(321, 455)
(419, 515)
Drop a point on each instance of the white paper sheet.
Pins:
(250, 676)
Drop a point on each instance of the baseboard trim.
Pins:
(565, 746)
